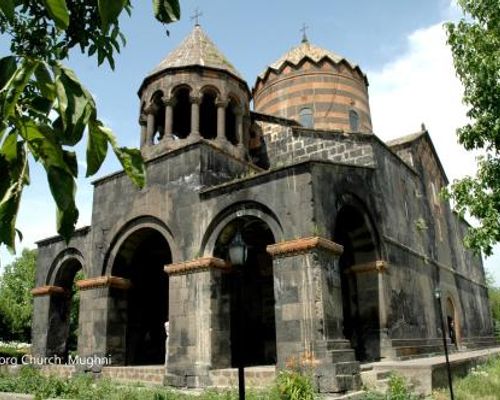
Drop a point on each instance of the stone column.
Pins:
(144, 129)
(169, 116)
(221, 120)
(238, 112)
(150, 124)
(44, 333)
(195, 116)
(309, 321)
(103, 318)
(370, 281)
(198, 317)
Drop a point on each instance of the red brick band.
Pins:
(197, 265)
(49, 290)
(303, 245)
(104, 281)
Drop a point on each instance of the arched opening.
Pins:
(451, 322)
(354, 121)
(252, 329)
(142, 312)
(306, 118)
(359, 288)
(208, 115)
(181, 127)
(62, 336)
(231, 128)
(159, 117)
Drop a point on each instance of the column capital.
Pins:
(195, 99)
(49, 290)
(299, 246)
(221, 103)
(104, 281)
(170, 101)
(197, 265)
(150, 110)
(379, 266)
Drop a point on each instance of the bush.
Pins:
(294, 385)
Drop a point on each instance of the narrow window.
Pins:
(231, 128)
(306, 118)
(354, 121)
(182, 114)
(208, 116)
(159, 111)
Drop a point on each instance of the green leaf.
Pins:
(97, 146)
(16, 86)
(7, 7)
(9, 148)
(75, 105)
(167, 11)
(63, 188)
(44, 82)
(13, 178)
(130, 159)
(58, 11)
(7, 70)
(133, 164)
(109, 11)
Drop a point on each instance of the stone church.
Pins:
(346, 237)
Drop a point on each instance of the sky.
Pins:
(400, 45)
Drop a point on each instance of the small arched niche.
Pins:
(231, 127)
(208, 114)
(182, 113)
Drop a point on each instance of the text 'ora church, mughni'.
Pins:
(346, 236)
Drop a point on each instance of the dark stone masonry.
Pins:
(346, 236)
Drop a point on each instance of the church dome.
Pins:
(316, 87)
(194, 93)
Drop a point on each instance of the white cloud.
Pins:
(418, 87)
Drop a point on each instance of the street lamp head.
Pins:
(238, 250)
(437, 293)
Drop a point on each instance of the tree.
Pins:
(475, 45)
(16, 305)
(45, 111)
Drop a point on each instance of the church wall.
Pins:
(286, 145)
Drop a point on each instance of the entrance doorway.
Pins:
(141, 259)
(359, 289)
(64, 311)
(257, 332)
(451, 323)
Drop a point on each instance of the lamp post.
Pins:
(437, 295)
(238, 252)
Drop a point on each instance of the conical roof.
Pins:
(196, 50)
(306, 50)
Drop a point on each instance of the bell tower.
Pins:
(194, 94)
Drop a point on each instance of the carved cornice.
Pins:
(104, 281)
(303, 245)
(49, 290)
(197, 265)
(379, 266)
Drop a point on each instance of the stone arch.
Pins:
(64, 304)
(250, 332)
(181, 100)
(359, 267)
(137, 316)
(124, 231)
(236, 210)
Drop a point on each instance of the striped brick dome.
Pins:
(316, 87)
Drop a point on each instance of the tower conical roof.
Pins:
(196, 50)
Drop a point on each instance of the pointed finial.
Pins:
(423, 128)
(196, 16)
(304, 33)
